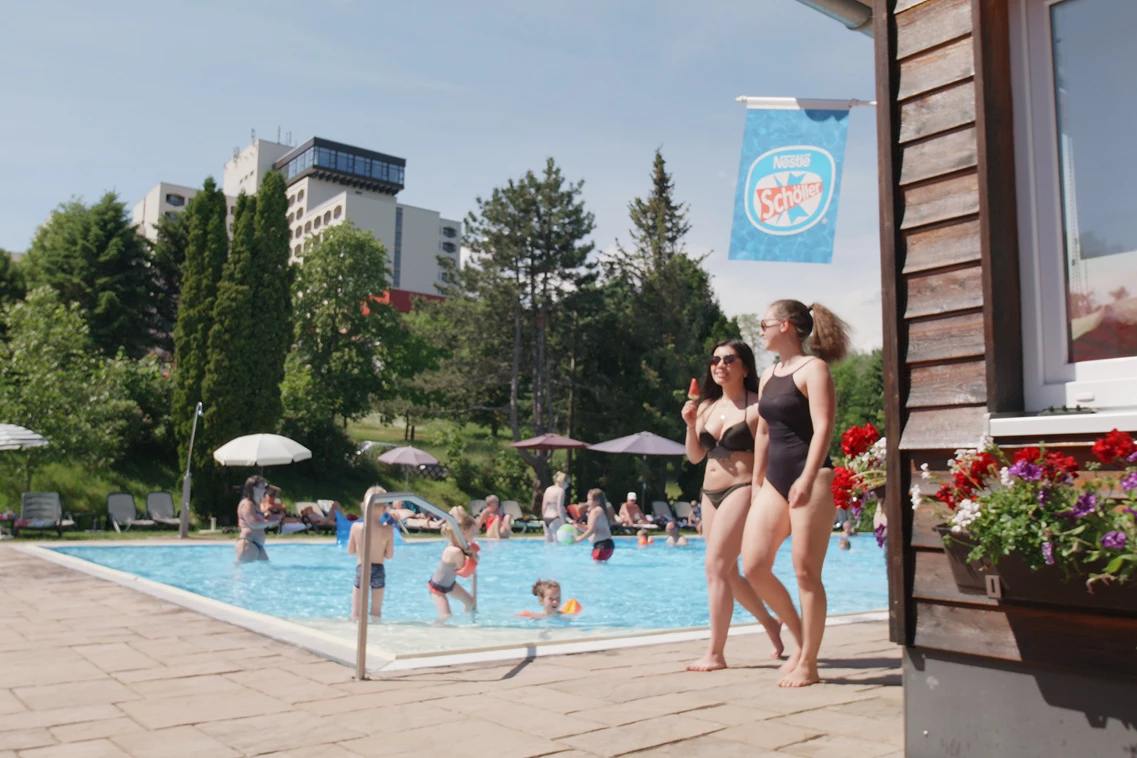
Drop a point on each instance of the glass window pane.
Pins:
(1096, 97)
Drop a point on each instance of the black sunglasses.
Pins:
(727, 359)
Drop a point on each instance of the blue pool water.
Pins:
(639, 588)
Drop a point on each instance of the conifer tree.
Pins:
(168, 256)
(207, 248)
(272, 288)
(233, 371)
(94, 258)
(659, 225)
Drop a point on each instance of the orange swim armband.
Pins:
(468, 568)
(571, 607)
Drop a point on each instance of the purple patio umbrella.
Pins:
(548, 442)
(641, 443)
(408, 458)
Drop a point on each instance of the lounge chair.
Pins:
(308, 517)
(160, 509)
(121, 512)
(513, 509)
(662, 511)
(476, 506)
(683, 512)
(42, 511)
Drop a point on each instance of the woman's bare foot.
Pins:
(709, 662)
(802, 676)
(791, 662)
(774, 632)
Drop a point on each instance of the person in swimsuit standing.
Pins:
(721, 429)
(599, 529)
(553, 511)
(251, 541)
(793, 472)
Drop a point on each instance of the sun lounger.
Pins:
(41, 511)
(160, 509)
(513, 509)
(476, 507)
(307, 512)
(662, 511)
(683, 512)
(122, 513)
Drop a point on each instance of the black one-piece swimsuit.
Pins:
(786, 411)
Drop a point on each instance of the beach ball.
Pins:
(566, 534)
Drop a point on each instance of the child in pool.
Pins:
(382, 548)
(444, 581)
(674, 538)
(642, 538)
(548, 594)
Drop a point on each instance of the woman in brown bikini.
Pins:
(721, 428)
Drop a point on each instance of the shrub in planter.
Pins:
(859, 476)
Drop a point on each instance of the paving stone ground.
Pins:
(91, 669)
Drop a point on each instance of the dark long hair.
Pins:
(251, 484)
(830, 340)
(712, 391)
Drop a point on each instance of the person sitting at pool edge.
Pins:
(630, 513)
(674, 538)
(498, 525)
(382, 548)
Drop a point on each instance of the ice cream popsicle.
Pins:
(693, 390)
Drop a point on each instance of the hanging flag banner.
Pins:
(789, 179)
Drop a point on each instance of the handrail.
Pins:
(365, 576)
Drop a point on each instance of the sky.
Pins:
(120, 96)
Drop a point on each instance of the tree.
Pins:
(94, 258)
(859, 382)
(12, 284)
(659, 225)
(168, 255)
(272, 288)
(55, 381)
(207, 248)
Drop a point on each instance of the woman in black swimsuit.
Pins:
(721, 429)
(793, 473)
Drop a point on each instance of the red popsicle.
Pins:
(693, 390)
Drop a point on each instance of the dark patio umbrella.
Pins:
(548, 442)
(641, 443)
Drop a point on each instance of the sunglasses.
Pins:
(727, 359)
(766, 323)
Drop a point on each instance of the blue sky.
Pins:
(123, 95)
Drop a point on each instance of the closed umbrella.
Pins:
(14, 437)
(641, 443)
(261, 450)
(408, 457)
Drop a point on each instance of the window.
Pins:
(175, 200)
(1077, 231)
(299, 212)
(449, 231)
(337, 211)
(299, 231)
(316, 223)
(397, 264)
(297, 250)
(449, 247)
(291, 200)
(307, 227)
(299, 197)
(327, 216)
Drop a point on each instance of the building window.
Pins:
(230, 228)
(396, 273)
(299, 212)
(300, 196)
(327, 216)
(298, 232)
(298, 250)
(316, 223)
(449, 231)
(175, 200)
(171, 215)
(307, 227)
(1077, 229)
(449, 247)
(291, 200)
(337, 212)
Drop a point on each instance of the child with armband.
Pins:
(455, 562)
(548, 593)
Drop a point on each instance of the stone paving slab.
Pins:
(89, 669)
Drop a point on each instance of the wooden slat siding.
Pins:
(944, 291)
(934, 581)
(997, 207)
(947, 244)
(892, 304)
(934, 428)
(924, 520)
(944, 154)
(947, 384)
(936, 68)
(931, 24)
(941, 200)
(938, 112)
(903, 5)
(1084, 642)
(945, 338)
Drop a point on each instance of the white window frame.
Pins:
(1049, 380)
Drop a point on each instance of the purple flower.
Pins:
(1043, 494)
(1048, 552)
(1114, 540)
(1087, 504)
(1026, 471)
(880, 533)
(1132, 457)
(855, 512)
(1129, 483)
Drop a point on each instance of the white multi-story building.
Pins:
(329, 182)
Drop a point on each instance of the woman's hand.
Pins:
(800, 491)
(690, 411)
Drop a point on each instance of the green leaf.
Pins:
(1114, 565)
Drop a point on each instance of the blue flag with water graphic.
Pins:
(789, 181)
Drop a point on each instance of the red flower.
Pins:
(844, 481)
(1113, 446)
(946, 495)
(858, 439)
(1028, 454)
(1059, 467)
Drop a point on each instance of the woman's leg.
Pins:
(812, 525)
(723, 527)
(767, 526)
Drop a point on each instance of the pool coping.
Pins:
(343, 651)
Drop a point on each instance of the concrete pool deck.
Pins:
(89, 668)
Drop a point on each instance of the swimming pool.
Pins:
(638, 590)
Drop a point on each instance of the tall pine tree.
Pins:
(207, 248)
(94, 258)
(233, 372)
(168, 255)
(272, 287)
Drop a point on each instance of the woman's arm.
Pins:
(761, 433)
(562, 511)
(822, 412)
(691, 413)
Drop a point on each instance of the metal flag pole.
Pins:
(801, 103)
(183, 527)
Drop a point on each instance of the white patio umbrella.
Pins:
(408, 457)
(14, 437)
(261, 450)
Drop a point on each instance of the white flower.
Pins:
(925, 474)
(985, 443)
(966, 512)
(1005, 477)
(917, 498)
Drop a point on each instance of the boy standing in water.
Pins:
(382, 548)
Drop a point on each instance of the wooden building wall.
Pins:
(952, 329)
